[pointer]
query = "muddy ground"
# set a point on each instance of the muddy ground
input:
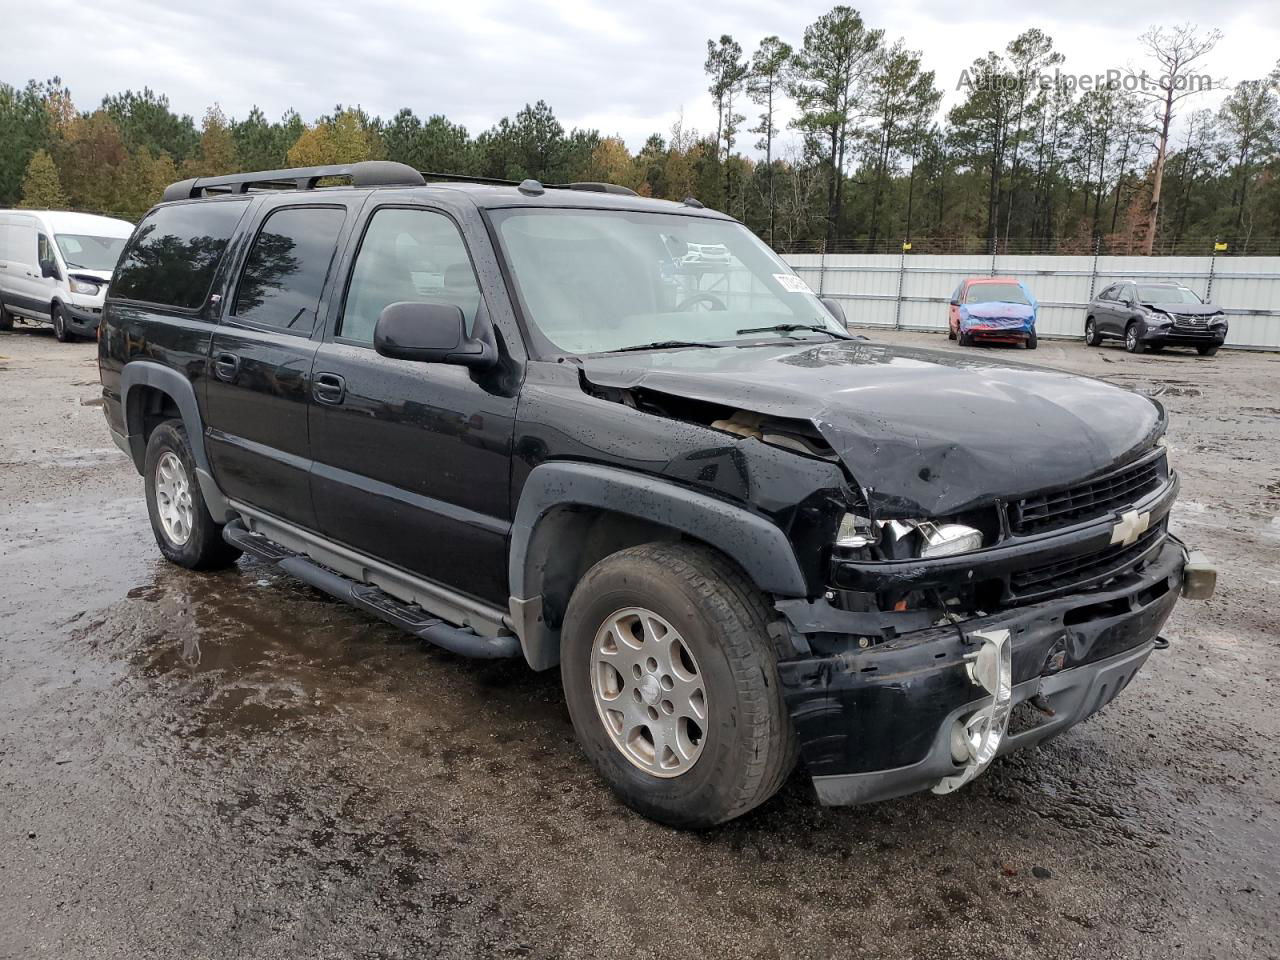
(232, 765)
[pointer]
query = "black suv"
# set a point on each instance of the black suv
(620, 435)
(1152, 316)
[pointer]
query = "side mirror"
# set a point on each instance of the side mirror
(836, 310)
(955, 303)
(430, 333)
(49, 269)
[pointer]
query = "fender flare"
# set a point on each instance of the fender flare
(759, 546)
(175, 384)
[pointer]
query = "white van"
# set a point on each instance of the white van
(54, 268)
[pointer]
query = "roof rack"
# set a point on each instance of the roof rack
(367, 173)
(589, 185)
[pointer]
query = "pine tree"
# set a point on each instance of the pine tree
(41, 188)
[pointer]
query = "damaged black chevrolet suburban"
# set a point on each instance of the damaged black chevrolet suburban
(620, 435)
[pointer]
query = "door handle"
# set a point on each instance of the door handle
(226, 366)
(328, 388)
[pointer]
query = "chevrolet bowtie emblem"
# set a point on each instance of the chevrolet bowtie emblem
(1130, 527)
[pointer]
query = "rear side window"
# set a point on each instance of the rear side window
(173, 256)
(286, 269)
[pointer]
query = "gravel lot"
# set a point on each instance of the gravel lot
(233, 765)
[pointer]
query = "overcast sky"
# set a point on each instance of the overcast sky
(625, 68)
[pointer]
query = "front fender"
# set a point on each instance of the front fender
(759, 546)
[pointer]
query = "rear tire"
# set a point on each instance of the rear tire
(734, 756)
(1091, 336)
(1207, 351)
(185, 532)
(951, 334)
(1132, 342)
(59, 319)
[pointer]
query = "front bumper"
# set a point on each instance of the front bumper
(1176, 335)
(83, 319)
(998, 329)
(879, 722)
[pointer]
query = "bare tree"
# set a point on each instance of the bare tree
(1175, 51)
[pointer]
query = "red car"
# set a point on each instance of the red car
(993, 310)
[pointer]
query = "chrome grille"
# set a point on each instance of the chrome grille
(1085, 501)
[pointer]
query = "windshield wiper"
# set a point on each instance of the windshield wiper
(665, 345)
(791, 327)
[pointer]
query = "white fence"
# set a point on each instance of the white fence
(911, 292)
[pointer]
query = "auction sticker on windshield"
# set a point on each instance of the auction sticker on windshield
(791, 283)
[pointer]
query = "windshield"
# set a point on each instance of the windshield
(90, 253)
(594, 281)
(995, 293)
(1151, 293)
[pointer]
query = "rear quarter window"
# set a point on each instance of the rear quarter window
(173, 256)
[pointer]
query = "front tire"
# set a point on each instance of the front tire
(6, 318)
(185, 532)
(1032, 341)
(60, 324)
(1207, 351)
(1091, 336)
(966, 340)
(671, 681)
(1132, 342)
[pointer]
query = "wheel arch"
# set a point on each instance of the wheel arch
(151, 393)
(601, 510)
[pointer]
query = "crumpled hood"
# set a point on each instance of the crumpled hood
(1187, 309)
(923, 432)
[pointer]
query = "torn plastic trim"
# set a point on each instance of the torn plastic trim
(819, 616)
(976, 740)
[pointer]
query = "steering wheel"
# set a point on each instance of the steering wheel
(704, 297)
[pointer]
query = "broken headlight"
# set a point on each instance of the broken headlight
(908, 539)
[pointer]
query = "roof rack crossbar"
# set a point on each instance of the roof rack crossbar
(499, 182)
(367, 173)
(468, 178)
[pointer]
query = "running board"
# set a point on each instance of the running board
(410, 618)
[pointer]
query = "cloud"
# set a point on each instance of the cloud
(627, 69)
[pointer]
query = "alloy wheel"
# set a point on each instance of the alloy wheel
(649, 692)
(173, 498)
